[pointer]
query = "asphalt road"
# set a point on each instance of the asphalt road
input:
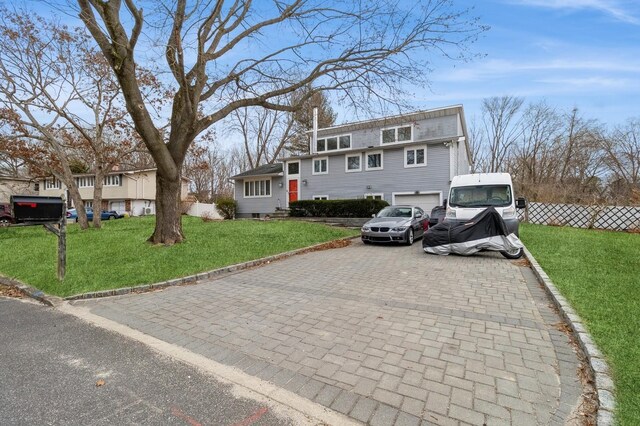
(52, 367)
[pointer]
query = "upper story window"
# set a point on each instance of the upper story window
(397, 135)
(257, 188)
(415, 156)
(320, 166)
(112, 180)
(293, 168)
(334, 143)
(85, 181)
(52, 184)
(374, 160)
(353, 163)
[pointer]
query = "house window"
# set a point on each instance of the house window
(85, 181)
(415, 156)
(257, 188)
(52, 184)
(320, 197)
(320, 166)
(293, 168)
(353, 163)
(374, 160)
(112, 180)
(397, 135)
(334, 143)
(371, 196)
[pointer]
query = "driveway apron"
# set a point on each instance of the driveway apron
(385, 335)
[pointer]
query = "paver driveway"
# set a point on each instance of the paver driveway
(385, 335)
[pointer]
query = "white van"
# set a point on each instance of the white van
(471, 194)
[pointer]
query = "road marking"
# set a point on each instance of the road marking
(281, 402)
(178, 413)
(252, 418)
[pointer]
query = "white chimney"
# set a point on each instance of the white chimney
(314, 138)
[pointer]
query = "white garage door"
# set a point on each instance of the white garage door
(425, 201)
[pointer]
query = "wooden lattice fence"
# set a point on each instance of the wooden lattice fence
(599, 217)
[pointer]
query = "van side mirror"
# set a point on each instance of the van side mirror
(521, 203)
(444, 203)
(373, 215)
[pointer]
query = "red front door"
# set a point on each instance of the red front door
(293, 190)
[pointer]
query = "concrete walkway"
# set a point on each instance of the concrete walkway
(384, 335)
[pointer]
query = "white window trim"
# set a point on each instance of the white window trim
(396, 132)
(287, 168)
(320, 197)
(338, 143)
(374, 194)
(109, 179)
(415, 148)
(366, 162)
(258, 180)
(313, 166)
(346, 163)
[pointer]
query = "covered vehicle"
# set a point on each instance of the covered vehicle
(396, 224)
(485, 231)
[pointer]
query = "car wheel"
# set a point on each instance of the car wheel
(4, 222)
(516, 255)
(409, 237)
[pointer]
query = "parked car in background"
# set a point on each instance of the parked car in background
(5, 215)
(72, 215)
(437, 215)
(398, 224)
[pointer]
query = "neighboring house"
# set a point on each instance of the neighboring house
(130, 191)
(10, 185)
(405, 159)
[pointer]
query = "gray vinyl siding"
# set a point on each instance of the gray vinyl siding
(423, 130)
(263, 205)
(338, 184)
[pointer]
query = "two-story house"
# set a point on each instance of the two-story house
(404, 159)
(131, 191)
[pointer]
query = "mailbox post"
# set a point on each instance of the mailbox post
(48, 212)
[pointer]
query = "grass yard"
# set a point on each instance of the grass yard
(117, 255)
(599, 273)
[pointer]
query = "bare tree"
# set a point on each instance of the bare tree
(500, 129)
(58, 92)
(265, 133)
(622, 157)
(532, 161)
(228, 55)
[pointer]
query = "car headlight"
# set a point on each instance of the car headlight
(451, 213)
(399, 228)
(509, 213)
(365, 229)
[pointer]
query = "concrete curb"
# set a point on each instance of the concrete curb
(598, 365)
(54, 301)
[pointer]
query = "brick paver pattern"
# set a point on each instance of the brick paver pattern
(385, 335)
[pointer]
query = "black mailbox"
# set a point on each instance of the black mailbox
(29, 208)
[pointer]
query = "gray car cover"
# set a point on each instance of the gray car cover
(485, 231)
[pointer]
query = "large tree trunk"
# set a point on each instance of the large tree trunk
(168, 229)
(97, 197)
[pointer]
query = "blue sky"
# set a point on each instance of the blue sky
(571, 53)
(582, 53)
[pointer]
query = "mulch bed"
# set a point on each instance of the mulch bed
(9, 291)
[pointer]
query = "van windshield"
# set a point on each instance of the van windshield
(481, 196)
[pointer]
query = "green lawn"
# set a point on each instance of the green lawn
(117, 255)
(599, 273)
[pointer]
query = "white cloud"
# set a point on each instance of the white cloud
(616, 9)
(502, 67)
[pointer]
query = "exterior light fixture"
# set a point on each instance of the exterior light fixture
(304, 181)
